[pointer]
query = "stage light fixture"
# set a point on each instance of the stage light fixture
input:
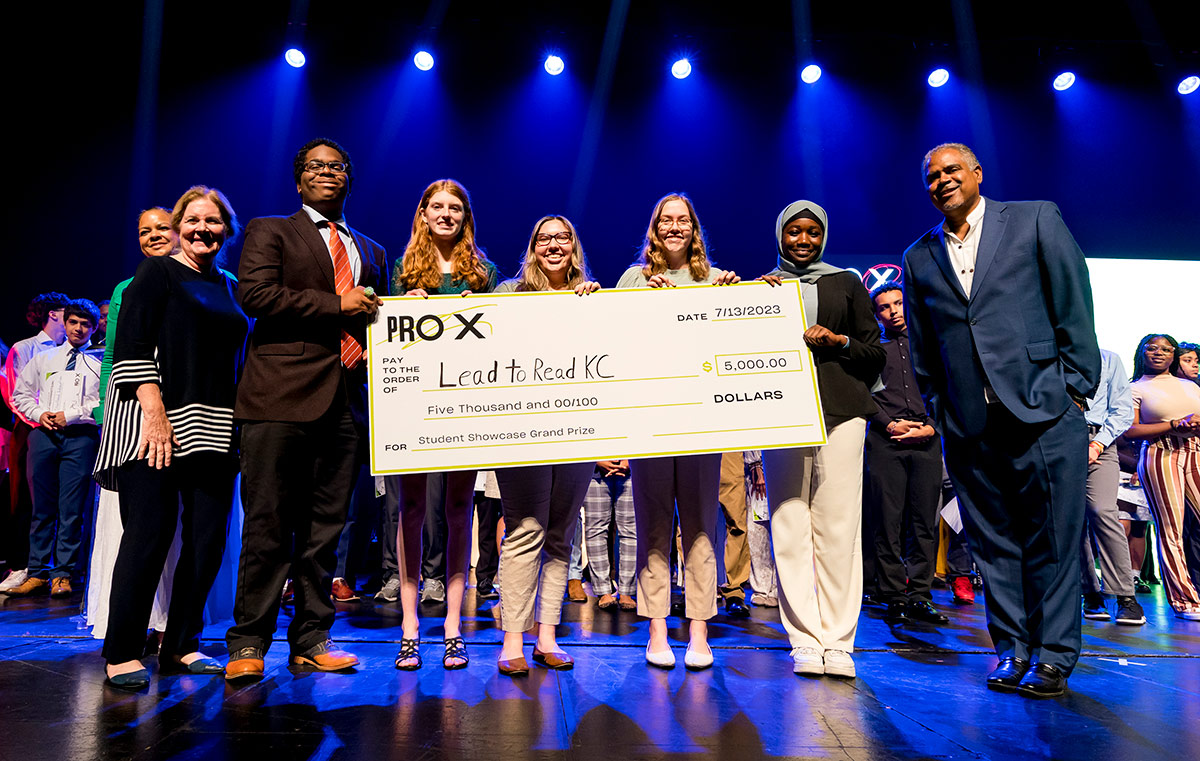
(1064, 81)
(294, 57)
(1189, 85)
(423, 60)
(811, 73)
(681, 68)
(554, 65)
(938, 77)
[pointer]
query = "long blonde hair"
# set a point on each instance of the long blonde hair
(420, 255)
(532, 277)
(654, 259)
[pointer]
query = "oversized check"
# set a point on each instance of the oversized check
(495, 380)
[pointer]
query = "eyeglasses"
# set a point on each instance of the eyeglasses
(1156, 349)
(666, 223)
(314, 166)
(563, 238)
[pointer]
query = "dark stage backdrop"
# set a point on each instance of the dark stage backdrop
(119, 109)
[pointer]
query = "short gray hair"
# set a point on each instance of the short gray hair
(967, 153)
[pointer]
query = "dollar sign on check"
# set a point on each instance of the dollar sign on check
(707, 367)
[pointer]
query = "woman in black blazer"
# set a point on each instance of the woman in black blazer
(815, 493)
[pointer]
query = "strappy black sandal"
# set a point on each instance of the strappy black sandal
(455, 648)
(409, 652)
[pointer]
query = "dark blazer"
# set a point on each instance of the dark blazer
(1027, 329)
(845, 376)
(293, 364)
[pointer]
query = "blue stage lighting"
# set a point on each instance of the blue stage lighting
(294, 57)
(938, 77)
(1064, 81)
(554, 65)
(811, 73)
(423, 60)
(681, 68)
(1189, 85)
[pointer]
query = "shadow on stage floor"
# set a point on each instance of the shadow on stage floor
(919, 694)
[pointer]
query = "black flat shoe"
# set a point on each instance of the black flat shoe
(1007, 674)
(1043, 681)
(131, 681)
(736, 607)
(923, 611)
(173, 664)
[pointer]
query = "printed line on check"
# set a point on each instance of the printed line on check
(761, 317)
(558, 412)
(564, 383)
(737, 430)
(520, 443)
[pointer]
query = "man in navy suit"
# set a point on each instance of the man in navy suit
(1004, 347)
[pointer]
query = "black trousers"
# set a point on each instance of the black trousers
(902, 490)
(149, 500)
(489, 510)
(296, 485)
(433, 546)
(1022, 489)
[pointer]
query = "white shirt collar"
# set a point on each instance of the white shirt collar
(317, 217)
(973, 220)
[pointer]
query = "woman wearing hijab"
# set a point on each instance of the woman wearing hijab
(815, 493)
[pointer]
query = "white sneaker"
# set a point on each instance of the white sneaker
(839, 663)
(14, 580)
(389, 592)
(764, 600)
(1186, 615)
(808, 661)
(664, 659)
(433, 591)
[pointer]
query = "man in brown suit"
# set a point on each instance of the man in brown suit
(303, 408)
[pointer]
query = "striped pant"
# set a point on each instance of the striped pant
(606, 497)
(1170, 473)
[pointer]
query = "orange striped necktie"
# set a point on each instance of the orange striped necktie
(343, 280)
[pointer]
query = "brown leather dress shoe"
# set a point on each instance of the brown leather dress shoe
(32, 586)
(246, 663)
(575, 591)
(343, 592)
(60, 587)
(557, 661)
(323, 656)
(515, 667)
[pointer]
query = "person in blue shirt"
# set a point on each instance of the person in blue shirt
(1109, 414)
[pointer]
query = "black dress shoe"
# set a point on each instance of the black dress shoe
(923, 611)
(897, 611)
(1043, 681)
(736, 607)
(1007, 674)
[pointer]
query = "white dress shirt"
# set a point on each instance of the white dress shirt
(35, 379)
(19, 356)
(963, 252)
(343, 233)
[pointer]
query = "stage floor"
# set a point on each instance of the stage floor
(919, 695)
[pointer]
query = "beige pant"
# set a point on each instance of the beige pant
(815, 495)
(733, 506)
(658, 483)
(541, 509)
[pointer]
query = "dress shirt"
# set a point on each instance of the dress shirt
(27, 392)
(343, 232)
(1111, 407)
(900, 398)
(962, 252)
(19, 356)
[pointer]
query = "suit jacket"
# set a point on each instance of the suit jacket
(293, 367)
(1027, 328)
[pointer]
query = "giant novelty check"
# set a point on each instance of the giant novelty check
(497, 380)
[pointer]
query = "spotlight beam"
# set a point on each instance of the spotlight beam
(589, 145)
